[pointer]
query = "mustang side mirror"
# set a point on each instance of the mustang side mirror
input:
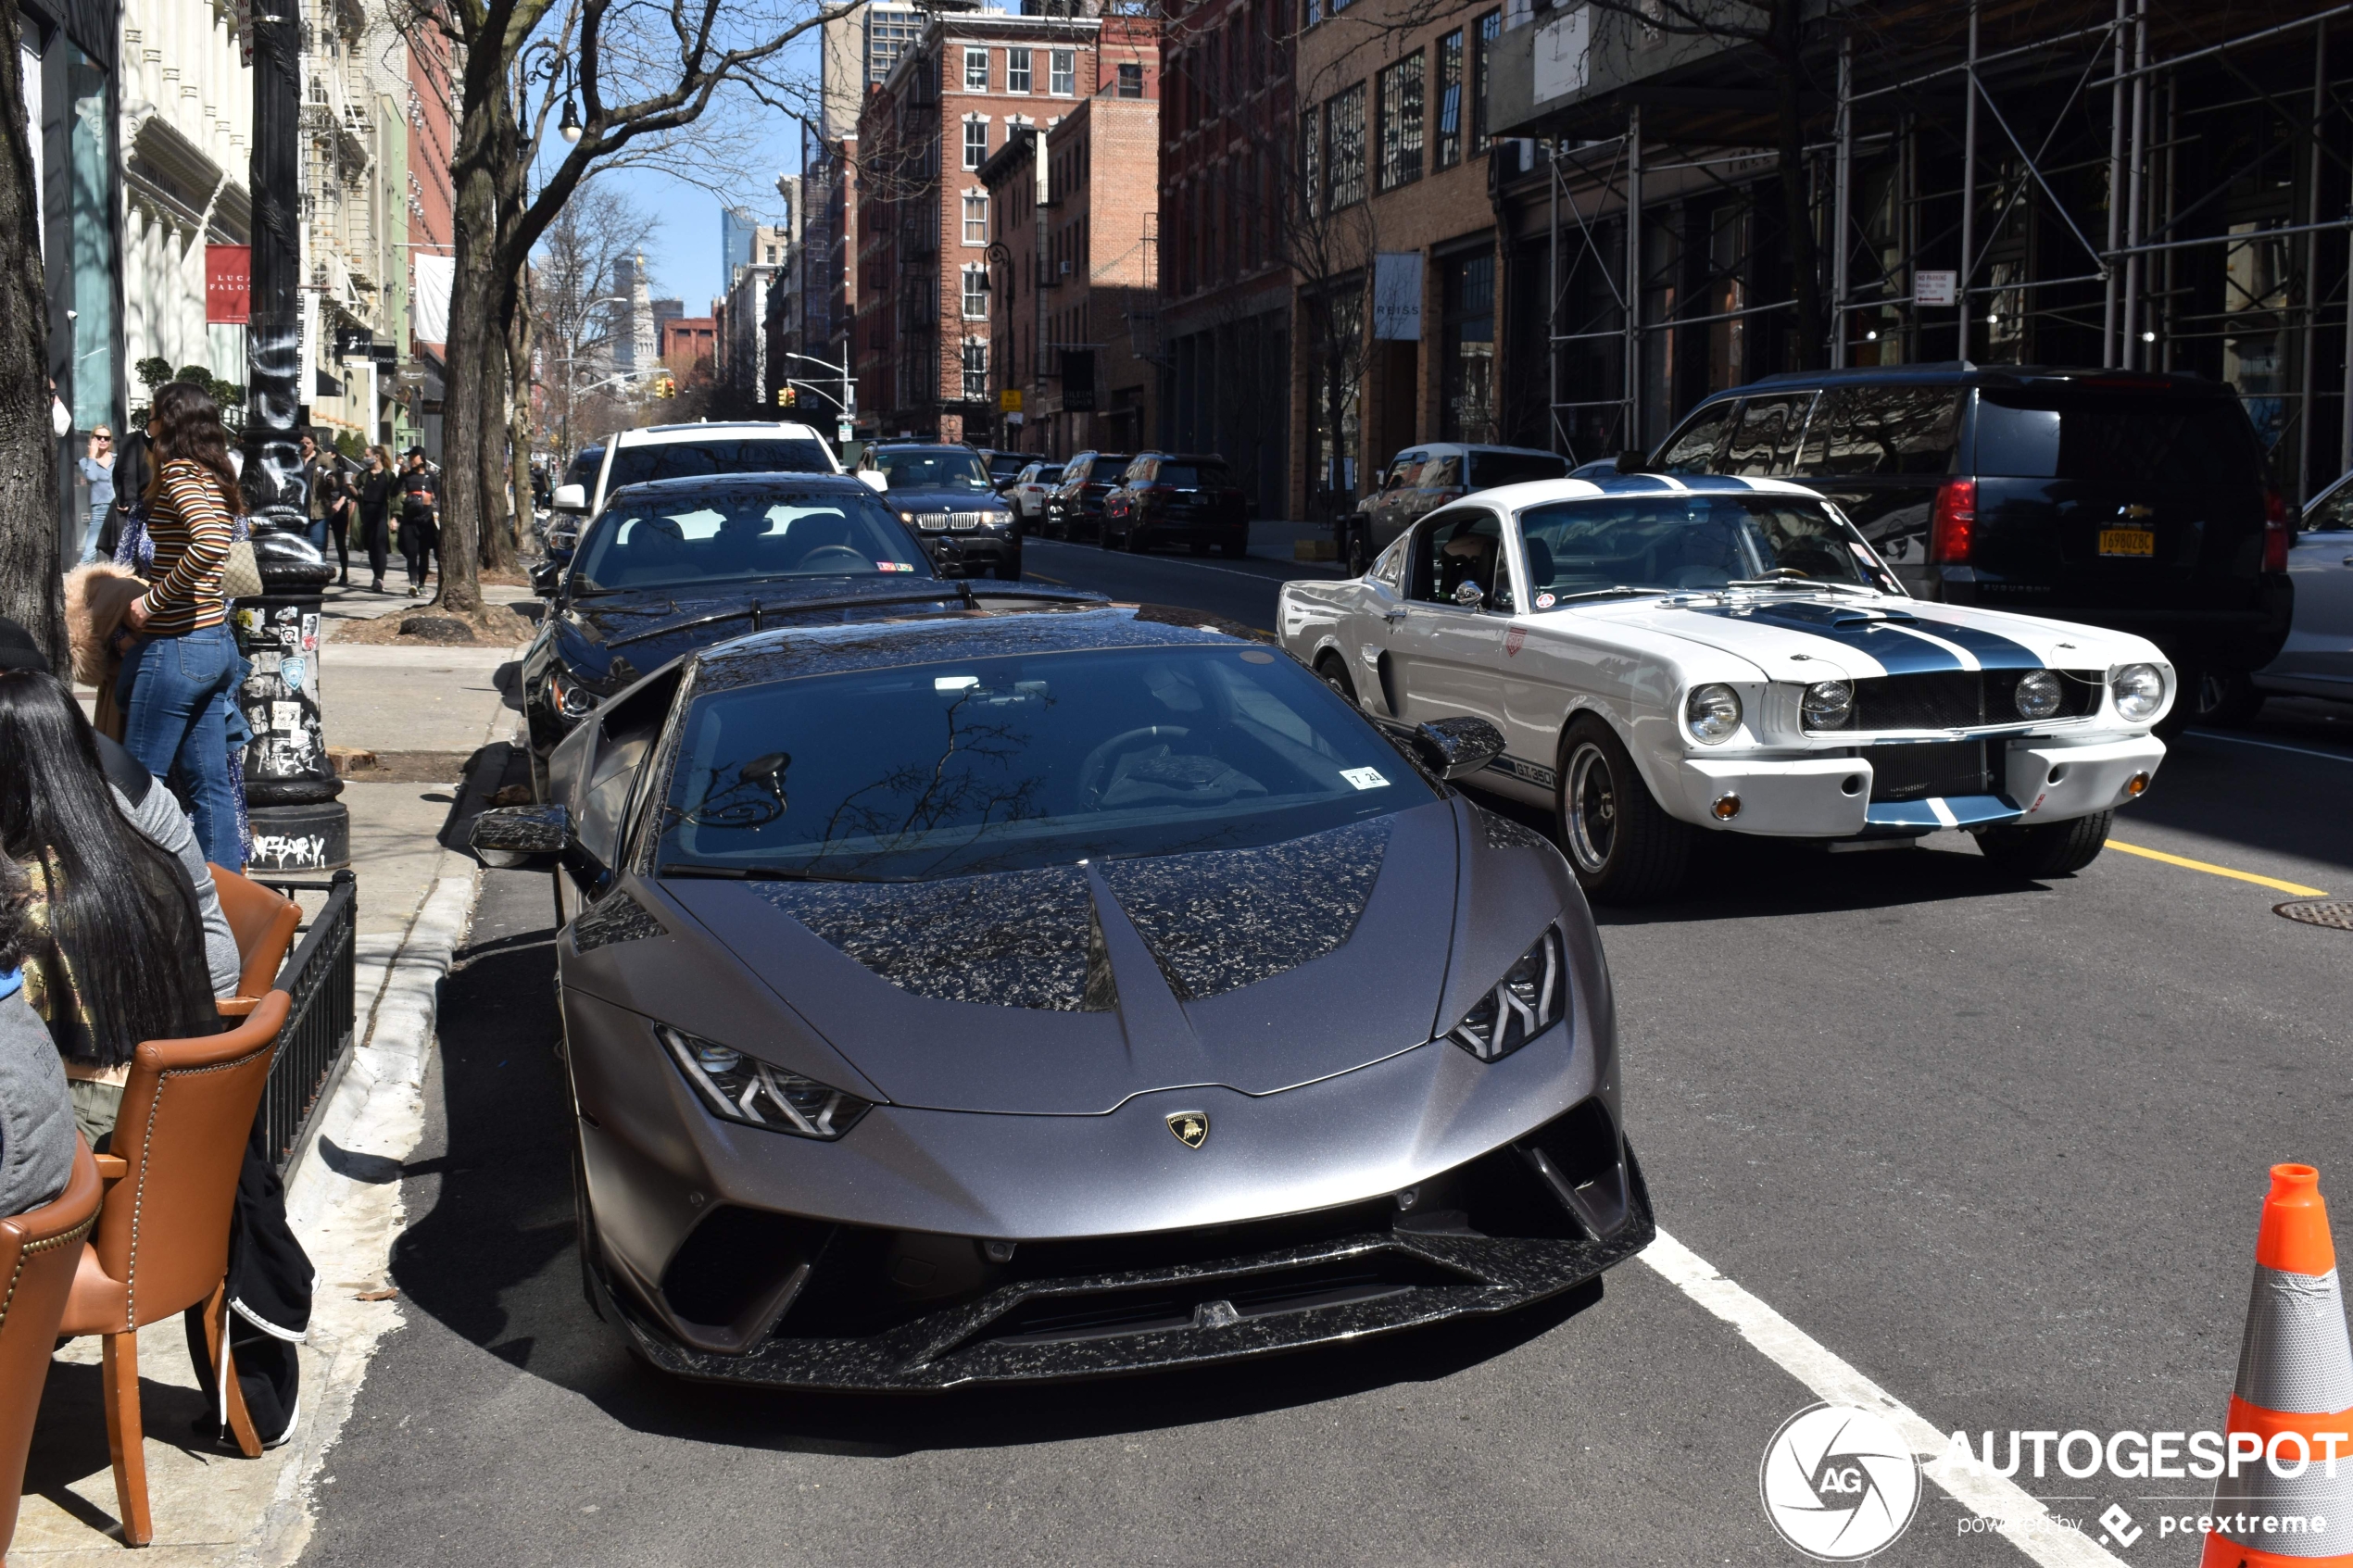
(1470, 595)
(1452, 748)
(527, 837)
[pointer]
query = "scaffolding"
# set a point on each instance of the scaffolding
(2224, 132)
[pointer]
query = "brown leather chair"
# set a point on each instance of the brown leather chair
(39, 1249)
(162, 1238)
(263, 923)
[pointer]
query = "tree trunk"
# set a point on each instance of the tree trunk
(498, 509)
(518, 443)
(31, 590)
(1797, 209)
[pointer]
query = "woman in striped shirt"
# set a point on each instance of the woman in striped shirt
(178, 679)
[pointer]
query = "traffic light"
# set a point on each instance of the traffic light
(787, 396)
(665, 385)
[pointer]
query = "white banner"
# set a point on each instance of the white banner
(429, 298)
(1397, 296)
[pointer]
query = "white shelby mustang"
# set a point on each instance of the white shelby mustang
(1666, 655)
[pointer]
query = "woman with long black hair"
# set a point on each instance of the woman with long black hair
(119, 953)
(180, 660)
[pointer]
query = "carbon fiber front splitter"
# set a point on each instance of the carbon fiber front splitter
(1236, 1310)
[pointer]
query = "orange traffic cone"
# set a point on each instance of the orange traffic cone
(2284, 1498)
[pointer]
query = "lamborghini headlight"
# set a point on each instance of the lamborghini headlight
(1530, 1000)
(759, 1094)
(572, 699)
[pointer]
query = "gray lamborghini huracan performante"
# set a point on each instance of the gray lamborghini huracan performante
(1055, 989)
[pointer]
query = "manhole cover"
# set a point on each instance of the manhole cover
(2334, 914)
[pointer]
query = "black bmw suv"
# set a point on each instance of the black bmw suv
(2113, 497)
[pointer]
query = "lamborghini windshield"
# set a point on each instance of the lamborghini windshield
(1700, 541)
(670, 538)
(1015, 762)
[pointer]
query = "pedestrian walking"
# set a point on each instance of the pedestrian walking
(131, 472)
(97, 469)
(377, 487)
(330, 504)
(420, 518)
(180, 662)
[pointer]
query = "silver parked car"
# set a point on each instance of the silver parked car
(2317, 660)
(1166, 1013)
(1026, 494)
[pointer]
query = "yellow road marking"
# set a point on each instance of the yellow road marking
(2296, 889)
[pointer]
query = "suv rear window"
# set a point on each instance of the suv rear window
(699, 459)
(2149, 443)
(1193, 476)
(1883, 429)
(1107, 466)
(1488, 470)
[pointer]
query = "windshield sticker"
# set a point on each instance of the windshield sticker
(1364, 778)
(1545, 601)
(892, 566)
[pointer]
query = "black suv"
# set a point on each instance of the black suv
(1177, 498)
(2114, 497)
(1077, 501)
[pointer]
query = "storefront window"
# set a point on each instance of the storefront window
(1466, 411)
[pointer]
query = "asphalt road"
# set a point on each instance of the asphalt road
(1999, 1147)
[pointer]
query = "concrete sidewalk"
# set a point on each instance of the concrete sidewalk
(415, 897)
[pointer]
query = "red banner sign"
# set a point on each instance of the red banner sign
(228, 285)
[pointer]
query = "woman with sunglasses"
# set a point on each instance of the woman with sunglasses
(98, 469)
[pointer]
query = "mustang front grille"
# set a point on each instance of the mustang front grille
(1958, 700)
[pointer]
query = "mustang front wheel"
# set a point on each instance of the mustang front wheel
(1624, 848)
(2048, 848)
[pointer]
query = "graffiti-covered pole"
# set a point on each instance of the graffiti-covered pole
(290, 786)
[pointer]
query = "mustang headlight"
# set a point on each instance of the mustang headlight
(2139, 691)
(759, 1094)
(2037, 696)
(1530, 1000)
(1711, 713)
(1828, 705)
(572, 699)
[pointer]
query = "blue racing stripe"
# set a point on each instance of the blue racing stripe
(1876, 634)
(1992, 649)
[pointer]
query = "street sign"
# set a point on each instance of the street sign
(841, 430)
(1935, 288)
(1009, 400)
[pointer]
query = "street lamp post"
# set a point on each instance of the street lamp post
(572, 387)
(848, 400)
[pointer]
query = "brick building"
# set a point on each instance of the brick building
(1224, 328)
(1072, 309)
(1395, 252)
(690, 348)
(922, 211)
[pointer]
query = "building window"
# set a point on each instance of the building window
(976, 70)
(975, 292)
(1311, 161)
(1064, 81)
(1400, 122)
(1017, 70)
(888, 31)
(1490, 27)
(1450, 100)
(1467, 372)
(1344, 148)
(975, 143)
(976, 217)
(1131, 81)
(976, 369)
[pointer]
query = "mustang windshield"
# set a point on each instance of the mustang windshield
(1011, 764)
(726, 536)
(1683, 543)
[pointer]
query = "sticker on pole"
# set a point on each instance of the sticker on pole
(1839, 1484)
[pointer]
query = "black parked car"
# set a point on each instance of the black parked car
(1177, 498)
(680, 564)
(945, 495)
(2113, 497)
(1004, 467)
(1077, 504)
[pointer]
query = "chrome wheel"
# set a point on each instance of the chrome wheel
(1592, 814)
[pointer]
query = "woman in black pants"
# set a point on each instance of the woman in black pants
(377, 487)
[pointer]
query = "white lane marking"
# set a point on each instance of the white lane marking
(2025, 1522)
(2270, 745)
(1204, 565)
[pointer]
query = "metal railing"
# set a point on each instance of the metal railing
(319, 976)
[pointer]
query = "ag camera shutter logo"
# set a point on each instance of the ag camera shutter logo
(1838, 1483)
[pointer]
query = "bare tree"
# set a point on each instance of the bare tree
(575, 275)
(1329, 236)
(31, 587)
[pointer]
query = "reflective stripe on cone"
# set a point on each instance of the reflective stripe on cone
(2294, 1382)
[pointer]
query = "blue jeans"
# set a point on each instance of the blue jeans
(97, 526)
(176, 693)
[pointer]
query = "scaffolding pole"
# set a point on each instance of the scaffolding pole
(2109, 357)
(1969, 192)
(2304, 447)
(2137, 156)
(1552, 311)
(1840, 218)
(1630, 433)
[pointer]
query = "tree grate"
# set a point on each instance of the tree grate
(2334, 914)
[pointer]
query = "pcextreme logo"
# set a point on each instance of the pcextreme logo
(1839, 1484)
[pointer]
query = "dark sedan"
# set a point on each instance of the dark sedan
(945, 495)
(1177, 498)
(1054, 992)
(679, 564)
(1075, 506)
